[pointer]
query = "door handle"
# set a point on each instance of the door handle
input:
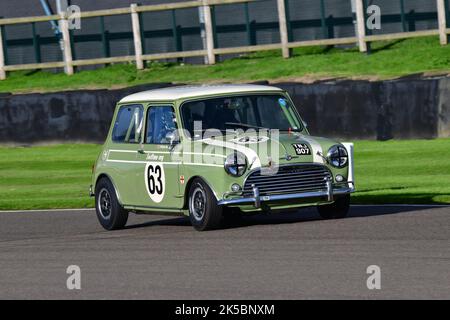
(141, 149)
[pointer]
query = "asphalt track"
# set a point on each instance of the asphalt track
(282, 256)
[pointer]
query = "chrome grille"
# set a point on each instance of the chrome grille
(289, 179)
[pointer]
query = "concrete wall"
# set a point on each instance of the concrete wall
(62, 116)
(403, 109)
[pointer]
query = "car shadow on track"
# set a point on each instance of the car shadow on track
(174, 221)
(297, 216)
(311, 214)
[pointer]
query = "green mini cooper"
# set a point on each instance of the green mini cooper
(215, 153)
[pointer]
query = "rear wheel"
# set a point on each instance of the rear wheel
(204, 212)
(337, 210)
(110, 213)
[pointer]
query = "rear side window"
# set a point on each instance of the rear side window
(128, 125)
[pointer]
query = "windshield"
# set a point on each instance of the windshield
(241, 112)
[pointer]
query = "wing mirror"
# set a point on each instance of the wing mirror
(305, 124)
(173, 138)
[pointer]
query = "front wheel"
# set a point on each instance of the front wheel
(337, 210)
(110, 213)
(204, 212)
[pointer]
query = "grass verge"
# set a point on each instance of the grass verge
(402, 171)
(389, 59)
(46, 177)
(58, 176)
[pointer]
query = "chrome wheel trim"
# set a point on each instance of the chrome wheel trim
(197, 204)
(104, 204)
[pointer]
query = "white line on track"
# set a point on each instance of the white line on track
(403, 205)
(44, 210)
(353, 205)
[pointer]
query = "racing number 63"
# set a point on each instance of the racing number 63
(155, 181)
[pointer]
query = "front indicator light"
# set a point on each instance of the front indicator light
(235, 187)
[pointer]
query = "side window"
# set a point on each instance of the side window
(195, 112)
(160, 122)
(128, 126)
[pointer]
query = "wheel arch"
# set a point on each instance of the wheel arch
(107, 176)
(188, 187)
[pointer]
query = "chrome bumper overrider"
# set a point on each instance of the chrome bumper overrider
(257, 199)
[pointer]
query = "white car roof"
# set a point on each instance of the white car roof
(183, 92)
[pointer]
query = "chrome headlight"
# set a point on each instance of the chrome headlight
(236, 164)
(337, 156)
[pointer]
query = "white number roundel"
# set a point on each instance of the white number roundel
(155, 181)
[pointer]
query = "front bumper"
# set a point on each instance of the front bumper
(257, 199)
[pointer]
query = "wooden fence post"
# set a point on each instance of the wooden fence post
(442, 22)
(2, 58)
(67, 48)
(361, 25)
(137, 37)
(209, 32)
(283, 28)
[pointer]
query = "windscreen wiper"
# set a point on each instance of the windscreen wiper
(290, 130)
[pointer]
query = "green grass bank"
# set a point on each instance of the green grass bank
(58, 176)
(389, 59)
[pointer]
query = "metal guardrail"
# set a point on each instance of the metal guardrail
(210, 52)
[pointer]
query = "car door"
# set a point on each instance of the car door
(159, 181)
(122, 156)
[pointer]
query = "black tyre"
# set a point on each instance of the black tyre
(337, 210)
(110, 213)
(204, 212)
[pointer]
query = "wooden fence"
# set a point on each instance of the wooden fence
(210, 52)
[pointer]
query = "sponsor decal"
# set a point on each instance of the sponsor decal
(182, 179)
(153, 157)
(302, 149)
(282, 102)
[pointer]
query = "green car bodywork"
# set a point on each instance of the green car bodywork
(129, 165)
